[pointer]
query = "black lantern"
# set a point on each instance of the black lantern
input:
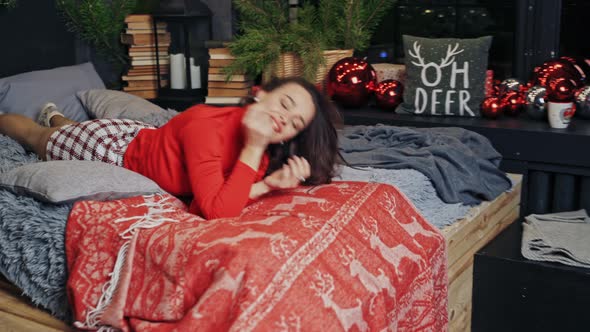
(189, 25)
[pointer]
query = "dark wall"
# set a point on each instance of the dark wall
(33, 36)
(222, 20)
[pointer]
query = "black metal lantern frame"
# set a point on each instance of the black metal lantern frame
(189, 29)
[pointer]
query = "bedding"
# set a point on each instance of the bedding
(41, 274)
(349, 255)
(26, 93)
(32, 239)
(111, 104)
(67, 181)
(38, 235)
(462, 165)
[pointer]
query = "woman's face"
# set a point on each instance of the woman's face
(290, 108)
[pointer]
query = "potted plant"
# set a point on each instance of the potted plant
(268, 42)
(274, 42)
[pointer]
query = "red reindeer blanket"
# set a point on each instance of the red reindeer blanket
(345, 256)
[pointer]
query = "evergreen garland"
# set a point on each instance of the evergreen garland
(99, 22)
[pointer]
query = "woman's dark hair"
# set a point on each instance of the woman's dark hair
(317, 143)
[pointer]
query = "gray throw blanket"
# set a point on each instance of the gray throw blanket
(557, 237)
(462, 165)
(416, 186)
(32, 239)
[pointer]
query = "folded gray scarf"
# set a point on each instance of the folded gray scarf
(557, 237)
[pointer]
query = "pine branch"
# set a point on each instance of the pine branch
(99, 22)
(8, 3)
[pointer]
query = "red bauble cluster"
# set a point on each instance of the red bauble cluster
(565, 67)
(512, 103)
(508, 98)
(557, 80)
(560, 89)
(351, 82)
(389, 94)
(563, 77)
(491, 107)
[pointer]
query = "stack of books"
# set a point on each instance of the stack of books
(141, 78)
(220, 90)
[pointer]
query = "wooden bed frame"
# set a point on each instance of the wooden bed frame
(464, 238)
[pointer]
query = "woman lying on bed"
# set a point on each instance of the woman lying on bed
(224, 157)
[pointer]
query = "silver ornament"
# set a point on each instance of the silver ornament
(582, 99)
(535, 103)
(510, 84)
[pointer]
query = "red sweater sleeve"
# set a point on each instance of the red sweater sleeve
(214, 196)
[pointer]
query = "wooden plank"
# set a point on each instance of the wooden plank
(9, 323)
(464, 238)
(461, 282)
(460, 301)
(467, 259)
(481, 231)
(12, 304)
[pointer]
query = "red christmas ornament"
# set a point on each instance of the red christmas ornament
(554, 69)
(561, 89)
(389, 94)
(512, 103)
(581, 66)
(491, 107)
(351, 81)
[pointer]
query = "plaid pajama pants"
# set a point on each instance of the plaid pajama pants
(102, 140)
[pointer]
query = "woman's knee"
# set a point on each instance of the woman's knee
(40, 146)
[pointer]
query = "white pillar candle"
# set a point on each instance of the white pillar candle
(177, 71)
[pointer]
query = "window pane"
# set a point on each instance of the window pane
(449, 18)
(574, 28)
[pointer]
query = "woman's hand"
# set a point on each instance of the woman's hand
(258, 129)
(294, 172)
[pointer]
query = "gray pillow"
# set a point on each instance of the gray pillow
(66, 181)
(26, 93)
(112, 104)
(445, 76)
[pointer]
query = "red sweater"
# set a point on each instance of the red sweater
(197, 153)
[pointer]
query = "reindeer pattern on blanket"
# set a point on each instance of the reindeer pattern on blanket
(341, 257)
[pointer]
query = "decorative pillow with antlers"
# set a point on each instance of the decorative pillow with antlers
(445, 76)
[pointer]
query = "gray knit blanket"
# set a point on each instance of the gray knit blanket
(462, 165)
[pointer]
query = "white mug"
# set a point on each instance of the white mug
(560, 114)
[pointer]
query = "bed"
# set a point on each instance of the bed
(463, 239)
(478, 225)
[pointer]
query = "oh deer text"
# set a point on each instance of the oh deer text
(432, 75)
